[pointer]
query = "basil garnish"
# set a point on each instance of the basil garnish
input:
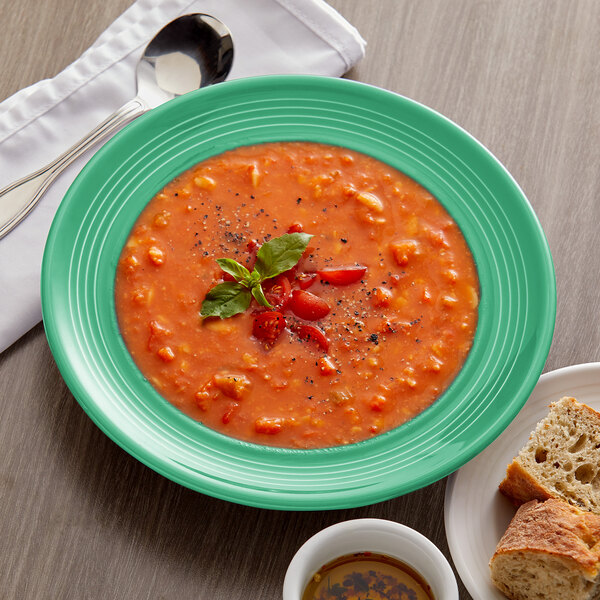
(225, 300)
(273, 258)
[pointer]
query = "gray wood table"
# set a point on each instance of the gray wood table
(79, 517)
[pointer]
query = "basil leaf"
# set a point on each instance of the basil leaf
(260, 297)
(225, 300)
(239, 272)
(280, 254)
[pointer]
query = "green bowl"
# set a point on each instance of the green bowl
(516, 313)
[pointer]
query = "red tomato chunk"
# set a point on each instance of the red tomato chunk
(310, 332)
(305, 280)
(279, 292)
(308, 306)
(342, 275)
(268, 325)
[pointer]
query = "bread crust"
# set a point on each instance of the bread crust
(520, 487)
(567, 441)
(551, 549)
(555, 528)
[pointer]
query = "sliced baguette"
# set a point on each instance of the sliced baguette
(560, 460)
(550, 551)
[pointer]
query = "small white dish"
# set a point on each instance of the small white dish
(476, 514)
(371, 535)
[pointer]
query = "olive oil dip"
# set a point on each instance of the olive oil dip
(367, 576)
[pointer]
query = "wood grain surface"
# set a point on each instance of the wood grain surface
(80, 518)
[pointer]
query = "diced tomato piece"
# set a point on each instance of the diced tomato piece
(295, 228)
(166, 354)
(279, 293)
(305, 280)
(158, 335)
(342, 275)
(252, 247)
(268, 425)
(268, 325)
(204, 397)
(377, 403)
(310, 332)
(404, 250)
(232, 385)
(308, 306)
(381, 296)
(326, 366)
(229, 412)
(156, 255)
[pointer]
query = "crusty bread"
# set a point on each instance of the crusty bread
(550, 551)
(560, 460)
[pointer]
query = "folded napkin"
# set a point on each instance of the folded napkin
(42, 121)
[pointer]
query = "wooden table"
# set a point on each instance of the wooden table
(79, 517)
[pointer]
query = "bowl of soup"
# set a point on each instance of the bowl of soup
(298, 292)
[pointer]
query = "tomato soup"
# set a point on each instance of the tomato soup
(366, 331)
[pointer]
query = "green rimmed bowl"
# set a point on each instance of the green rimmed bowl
(516, 313)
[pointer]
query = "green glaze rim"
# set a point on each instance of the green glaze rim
(516, 313)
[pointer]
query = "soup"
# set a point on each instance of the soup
(365, 331)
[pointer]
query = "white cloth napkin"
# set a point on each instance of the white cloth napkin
(42, 121)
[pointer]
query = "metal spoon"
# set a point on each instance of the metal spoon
(190, 52)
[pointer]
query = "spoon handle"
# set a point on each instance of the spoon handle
(18, 199)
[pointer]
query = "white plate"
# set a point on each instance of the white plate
(475, 512)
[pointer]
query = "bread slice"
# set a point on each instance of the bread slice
(550, 551)
(560, 460)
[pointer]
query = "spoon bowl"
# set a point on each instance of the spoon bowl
(189, 53)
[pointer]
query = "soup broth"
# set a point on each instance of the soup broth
(366, 331)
